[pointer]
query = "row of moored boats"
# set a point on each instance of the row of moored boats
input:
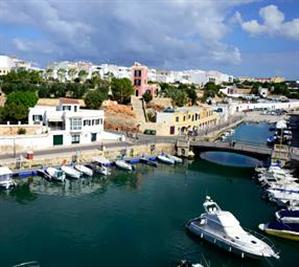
(99, 165)
(281, 187)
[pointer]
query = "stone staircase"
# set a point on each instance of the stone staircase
(137, 105)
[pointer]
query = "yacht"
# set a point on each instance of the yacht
(282, 198)
(165, 159)
(71, 172)
(223, 229)
(6, 181)
(55, 174)
(123, 165)
(83, 169)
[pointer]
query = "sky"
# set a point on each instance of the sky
(241, 37)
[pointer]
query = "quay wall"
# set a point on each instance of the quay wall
(87, 156)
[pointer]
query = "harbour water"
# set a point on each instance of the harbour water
(133, 219)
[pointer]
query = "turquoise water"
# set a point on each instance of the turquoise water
(256, 133)
(131, 219)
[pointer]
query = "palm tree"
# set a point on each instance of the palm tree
(72, 72)
(49, 73)
(83, 75)
(61, 74)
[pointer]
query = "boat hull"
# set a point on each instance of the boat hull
(283, 234)
(222, 244)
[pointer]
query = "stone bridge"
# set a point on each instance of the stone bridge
(258, 151)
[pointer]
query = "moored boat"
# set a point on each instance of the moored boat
(71, 172)
(148, 162)
(123, 165)
(290, 215)
(174, 158)
(280, 229)
(56, 174)
(6, 181)
(165, 159)
(83, 169)
(102, 161)
(99, 169)
(223, 229)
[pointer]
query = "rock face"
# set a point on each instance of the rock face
(120, 117)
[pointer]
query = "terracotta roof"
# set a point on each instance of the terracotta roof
(69, 101)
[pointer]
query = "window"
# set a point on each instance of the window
(172, 129)
(137, 73)
(75, 108)
(184, 118)
(137, 82)
(76, 139)
(177, 119)
(66, 107)
(37, 118)
(76, 124)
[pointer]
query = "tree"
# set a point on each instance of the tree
(82, 75)
(147, 97)
(94, 99)
(25, 98)
(49, 73)
(76, 90)
(17, 105)
(61, 74)
(72, 72)
(121, 89)
(15, 112)
(180, 98)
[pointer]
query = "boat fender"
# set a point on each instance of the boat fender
(230, 249)
(201, 235)
(242, 255)
(215, 241)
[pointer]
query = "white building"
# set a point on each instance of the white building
(67, 124)
(8, 63)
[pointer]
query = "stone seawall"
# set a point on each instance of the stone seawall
(87, 156)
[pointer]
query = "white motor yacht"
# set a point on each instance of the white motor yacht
(71, 172)
(56, 174)
(123, 165)
(83, 169)
(6, 181)
(224, 230)
(165, 159)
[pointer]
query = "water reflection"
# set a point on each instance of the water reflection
(21, 194)
(230, 159)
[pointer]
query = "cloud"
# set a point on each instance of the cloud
(273, 24)
(178, 33)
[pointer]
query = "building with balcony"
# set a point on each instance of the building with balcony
(68, 124)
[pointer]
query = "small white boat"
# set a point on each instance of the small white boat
(99, 169)
(123, 165)
(102, 161)
(176, 159)
(83, 169)
(165, 159)
(56, 174)
(6, 181)
(222, 229)
(71, 172)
